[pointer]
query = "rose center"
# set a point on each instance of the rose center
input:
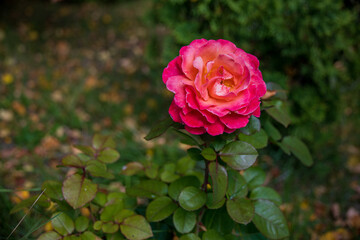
(223, 83)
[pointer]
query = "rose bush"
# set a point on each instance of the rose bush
(217, 87)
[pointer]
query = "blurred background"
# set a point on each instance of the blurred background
(71, 68)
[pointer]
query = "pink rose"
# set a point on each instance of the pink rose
(217, 87)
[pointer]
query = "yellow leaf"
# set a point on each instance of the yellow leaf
(48, 227)
(85, 212)
(7, 78)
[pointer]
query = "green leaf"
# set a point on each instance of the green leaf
(278, 111)
(148, 189)
(269, 220)
(299, 149)
(53, 189)
(218, 220)
(237, 187)
(192, 198)
(254, 177)
(195, 154)
(132, 168)
(283, 147)
(98, 225)
(98, 169)
(177, 186)
(100, 199)
(218, 143)
(86, 149)
(62, 223)
(185, 165)
(100, 142)
(252, 127)
(190, 236)
(188, 139)
(258, 140)
(136, 228)
(241, 210)
(50, 236)
(210, 202)
(110, 227)
(159, 209)
(78, 190)
(184, 221)
(71, 237)
(110, 211)
(89, 236)
(115, 236)
(272, 131)
(265, 193)
(129, 202)
(152, 171)
(219, 179)
(247, 236)
(209, 154)
(239, 155)
(124, 213)
(108, 155)
(72, 161)
(211, 234)
(168, 173)
(160, 128)
(81, 223)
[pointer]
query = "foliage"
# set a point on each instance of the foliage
(184, 196)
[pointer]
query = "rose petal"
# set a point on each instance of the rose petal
(227, 46)
(209, 51)
(196, 131)
(176, 85)
(214, 129)
(200, 81)
(174, 112)
(187, 55)
(172, 69)
(192, 119)
(256, 113)
(249, 108)
(191, 98)
(228, 130)
(234, 121)
(253, 61)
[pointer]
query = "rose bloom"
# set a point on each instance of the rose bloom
(217, 87)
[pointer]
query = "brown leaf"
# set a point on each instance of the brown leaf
(19, 108)
(268, 94)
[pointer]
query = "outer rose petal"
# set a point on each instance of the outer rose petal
(256, 113)
(227, 46)
(250, 108)
(215, 128)
(228, 130)
(188, 54)
(196, 131)
(235, 121)
(173, 69)
(193, 119)
(176, 85)
(174, 112)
